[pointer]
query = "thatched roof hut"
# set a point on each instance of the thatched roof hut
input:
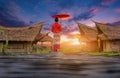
(28, 33)
(87, 33)
(88, 36)
(21, 39)
(43, 37)
(109, 37)
(107, 32)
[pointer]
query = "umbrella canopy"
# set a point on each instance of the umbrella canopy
(61, 16)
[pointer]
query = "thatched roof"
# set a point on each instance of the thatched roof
(43, 38)
(46, 38)
(27, 33)
(108, 32)
(117, 27)
(87, 33)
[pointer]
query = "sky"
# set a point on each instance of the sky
(19, 13)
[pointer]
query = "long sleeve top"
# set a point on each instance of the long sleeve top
(56, 28)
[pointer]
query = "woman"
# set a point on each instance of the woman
(56, 29)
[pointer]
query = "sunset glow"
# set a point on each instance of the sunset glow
(75, 41)
(70, 13)
(71, 40)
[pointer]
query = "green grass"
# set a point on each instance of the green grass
(105, 53)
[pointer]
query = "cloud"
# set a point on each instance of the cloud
(71, 5)
(107, 2)
(85, 15)
(8, 14)
(117, 23)
(67, 3)
(117, 10)
(1, 21)
(94, 10)
(78, 10)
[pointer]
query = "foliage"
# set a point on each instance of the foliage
(2, 32)
(6, 41)
(1, 47)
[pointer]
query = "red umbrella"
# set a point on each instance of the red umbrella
(62, 16)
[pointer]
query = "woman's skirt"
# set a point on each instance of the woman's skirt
(56, 42)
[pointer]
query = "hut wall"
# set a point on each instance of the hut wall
(115, 44)
(111, 46)
(29, 47)
(107, 46)
(18, 47)
(90, 47)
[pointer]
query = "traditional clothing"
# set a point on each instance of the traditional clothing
(56, 29)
